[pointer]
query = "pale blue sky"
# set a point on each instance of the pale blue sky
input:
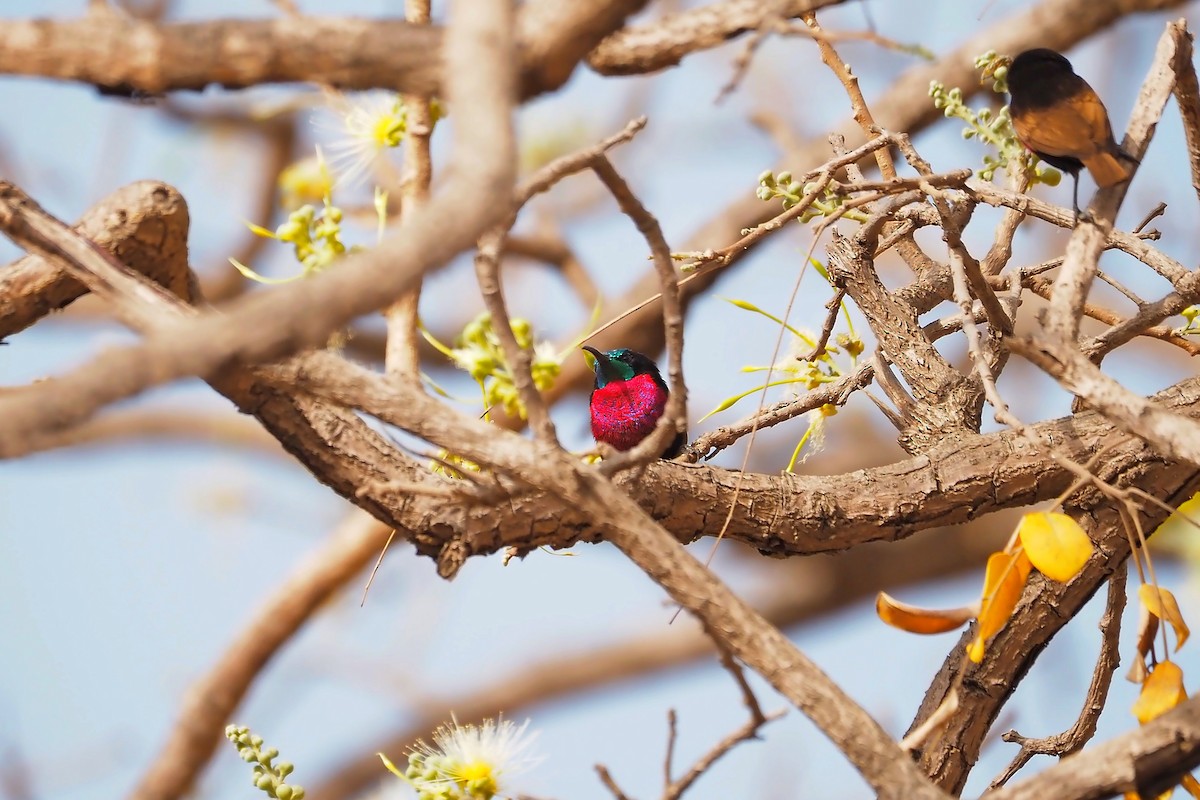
(126, 570)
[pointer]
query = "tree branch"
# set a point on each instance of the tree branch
(269, 324)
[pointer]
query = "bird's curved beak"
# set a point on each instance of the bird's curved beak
(602, 365)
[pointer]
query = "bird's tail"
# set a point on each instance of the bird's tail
(1107, 169)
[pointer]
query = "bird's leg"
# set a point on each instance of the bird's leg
(1075, 199)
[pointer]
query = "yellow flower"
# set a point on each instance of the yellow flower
(467, 762)
(371, 124)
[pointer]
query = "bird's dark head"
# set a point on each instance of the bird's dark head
(1039, 62)
(622, 364)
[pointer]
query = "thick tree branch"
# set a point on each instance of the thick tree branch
(123, 55)
(663, 43)
(1044, 609)
(270, 324)
(724, 615)
(144, 225)
(786, 514)
(1147, 760)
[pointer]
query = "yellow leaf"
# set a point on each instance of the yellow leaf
(730, 401)
(1161, 692)
(1003, 583)
(259, 230)
(1056, 544)
(745, 305)
(921, 620)
(1161, 603)
(254, 276)
(1177, 524)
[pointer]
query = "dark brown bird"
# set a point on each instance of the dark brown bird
(1061, 119)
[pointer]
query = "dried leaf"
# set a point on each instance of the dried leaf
(1161, 603)
(1147, 630)
(1002, 586)
(1161, 692)
(915, 619)
(1055, 543)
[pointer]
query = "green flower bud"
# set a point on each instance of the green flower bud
(475, 331)
(523, 331)
(784, 177)
(283, 792)
(1050, 176)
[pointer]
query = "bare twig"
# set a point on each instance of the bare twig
(832, 307)
(862, 114)
(674, 419)
(487, 271)
(1073, 739)
(710, 444)
(1147, 760)
(749, 730)
(1164, 265)
(402, 356)
(609, 783)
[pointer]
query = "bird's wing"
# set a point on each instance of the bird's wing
(1077, 126)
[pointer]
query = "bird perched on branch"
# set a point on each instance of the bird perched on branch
(1058, 116)
(629, 397)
